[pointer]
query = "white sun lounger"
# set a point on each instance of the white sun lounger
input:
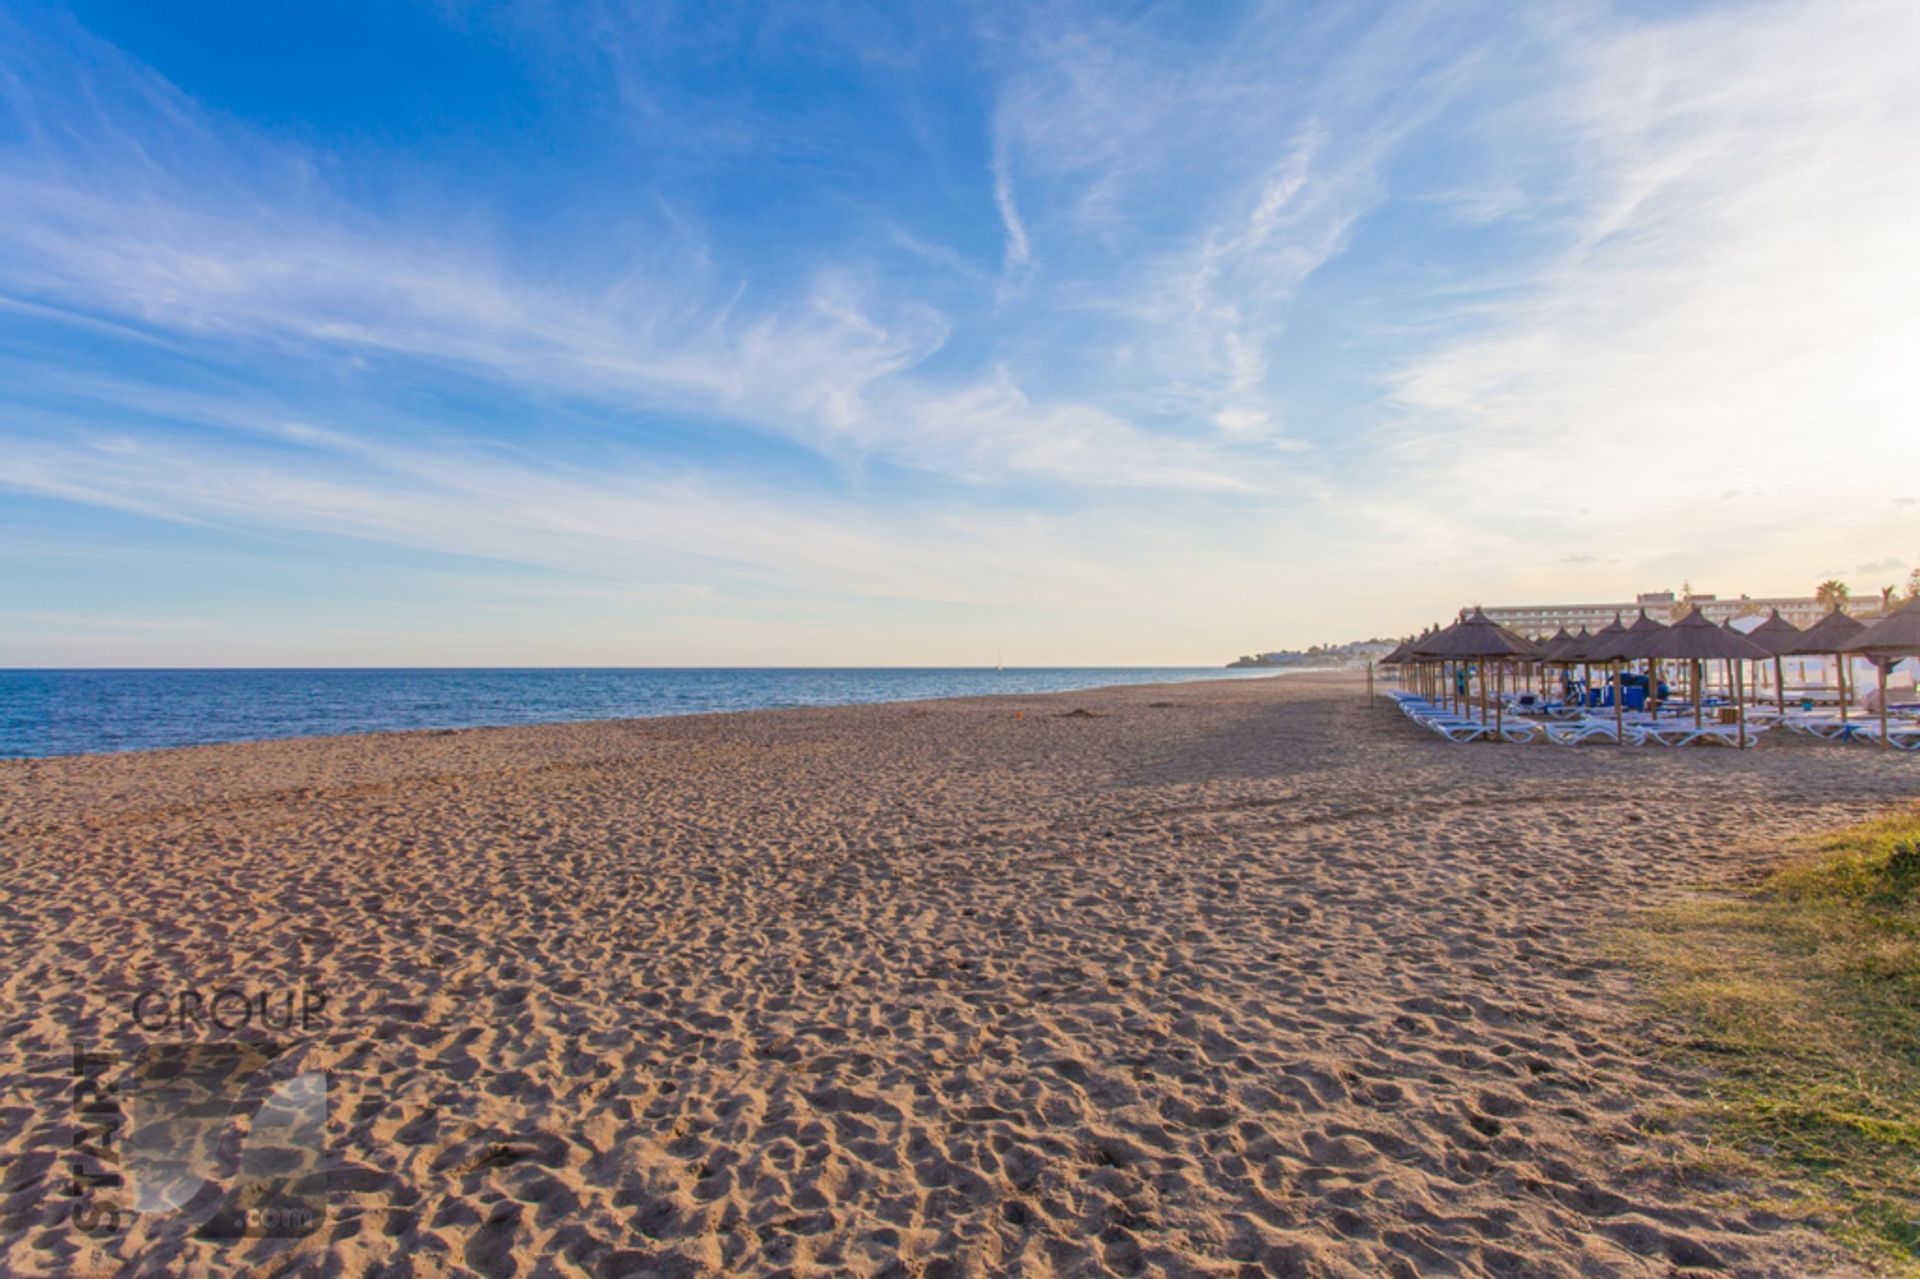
(1460, 730)
(1712, 734)
(1826, 727)
(1467, 728)
(1457, 727)
(1903, 737)
(1590, 730)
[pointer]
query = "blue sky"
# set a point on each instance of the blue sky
(383, 333)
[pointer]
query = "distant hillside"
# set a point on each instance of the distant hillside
(1352, 653)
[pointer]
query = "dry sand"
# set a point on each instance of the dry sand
(1229, 978)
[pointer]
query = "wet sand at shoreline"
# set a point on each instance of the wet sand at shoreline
(1230, 978)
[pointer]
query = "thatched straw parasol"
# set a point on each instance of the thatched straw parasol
(1778, 636)
(1424, 646)
(1893, 637)
(1568, 651)
(1829, 637)
(1424, 653)
(1479, 639)
(1622, 648)
(1478, 636)
(1601, 640)
(1426, 667)
(1549, 655)
(1394, 658)
(1551, 644)
(1619, 650)
(1596, 645)
(1410, 657)
(1694, 639)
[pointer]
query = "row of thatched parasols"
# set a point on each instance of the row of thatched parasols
(1476, 642)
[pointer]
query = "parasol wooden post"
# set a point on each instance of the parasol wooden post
(1369, 682)
(1740, 705)
(1619, 710)
(1841, 676)
(1883, 664)
(1499, 697)
(1780, 682)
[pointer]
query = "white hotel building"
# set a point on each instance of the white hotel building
(1663, 606)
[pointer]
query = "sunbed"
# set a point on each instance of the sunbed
(1827, 728)
(1689, 734)
(1456, 727)
(1900, 736)
(1574, 732)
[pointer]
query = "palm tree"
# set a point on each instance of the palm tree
(1832, 594)
(1913, 585)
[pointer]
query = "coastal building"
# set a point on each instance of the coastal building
(1662, 606)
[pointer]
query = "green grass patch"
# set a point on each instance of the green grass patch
(1802, 999)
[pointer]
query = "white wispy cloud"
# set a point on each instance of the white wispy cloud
(1193, 195)
(633, 523)
(283, 261)
(1019, 252)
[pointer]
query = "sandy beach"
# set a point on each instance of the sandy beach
(1235, 978)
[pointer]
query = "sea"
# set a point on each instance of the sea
(84, 712)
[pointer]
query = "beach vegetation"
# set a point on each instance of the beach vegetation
(1798, 997)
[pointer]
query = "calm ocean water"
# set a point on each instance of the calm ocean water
(83, 712)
